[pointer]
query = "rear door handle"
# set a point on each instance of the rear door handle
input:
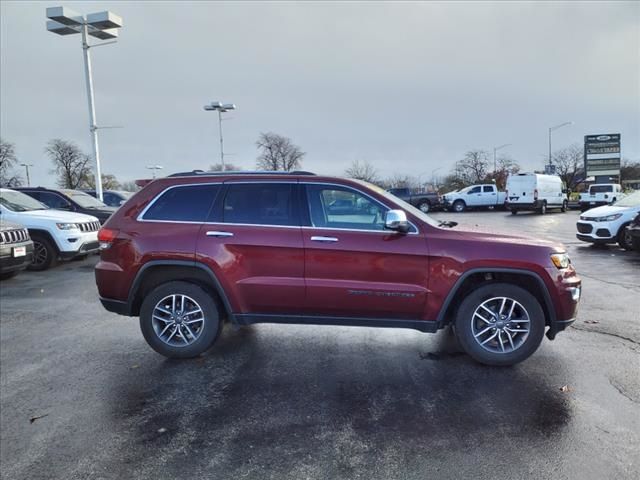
(324, 239)
(215, 233)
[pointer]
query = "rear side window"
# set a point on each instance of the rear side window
(260, 204)
(487, 189)
(183, 204)
(601, 188)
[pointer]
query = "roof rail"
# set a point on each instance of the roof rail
(195, 173)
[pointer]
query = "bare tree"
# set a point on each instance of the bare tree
(505, 166)
(278, 153)
(8, 161)
(109, 182)
(473, 168)
(569, 163)
(228, 167)
(400, 181)
(362, 171)
(129, 186)
(629, 170)
(70, 163)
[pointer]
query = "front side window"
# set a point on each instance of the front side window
(260, 204)
(53, 200)
(474, 190)
(183, 204)
(341, 207)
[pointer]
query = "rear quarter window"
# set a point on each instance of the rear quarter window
(183, 204)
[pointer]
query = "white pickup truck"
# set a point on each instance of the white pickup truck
(474, 196)
(600, 194)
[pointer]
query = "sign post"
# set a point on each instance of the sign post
(602, 156)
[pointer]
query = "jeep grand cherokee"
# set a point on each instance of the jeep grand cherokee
(190, 250)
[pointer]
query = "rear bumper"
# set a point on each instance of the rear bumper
(523, 206)
(116, 306)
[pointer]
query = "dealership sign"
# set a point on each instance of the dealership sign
(602, 154)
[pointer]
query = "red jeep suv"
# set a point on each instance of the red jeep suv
(193, 249)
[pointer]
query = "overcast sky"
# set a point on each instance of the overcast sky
(407, 86)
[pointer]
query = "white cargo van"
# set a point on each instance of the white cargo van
(534, 191)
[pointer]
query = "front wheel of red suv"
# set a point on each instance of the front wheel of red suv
(500, 324)
(179, 320)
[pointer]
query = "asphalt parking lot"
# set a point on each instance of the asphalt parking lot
(83, 397)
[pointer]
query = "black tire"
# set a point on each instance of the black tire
(424, 207)
(8, 275)
(565, 206)
(465, 318)
(543, 208)
(45, 255)
(514, 211)
(459, 206)
(624, 238)
(210, 314)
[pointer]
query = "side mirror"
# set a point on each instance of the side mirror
(396, 220)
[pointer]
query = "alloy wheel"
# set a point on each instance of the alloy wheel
(500, 325)
(178, 320)
(40, 254)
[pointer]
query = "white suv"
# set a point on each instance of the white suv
(56, 234)
(608, 224)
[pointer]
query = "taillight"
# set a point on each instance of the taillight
(106, 236)
(535, 194)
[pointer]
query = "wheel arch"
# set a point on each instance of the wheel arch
(45, 234)
(474, 278)
(157, 272)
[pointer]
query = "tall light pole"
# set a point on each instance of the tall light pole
(495, 162)
(551, 129)
(154, 168)
(101, 25)
(220, 108)
(26, 166)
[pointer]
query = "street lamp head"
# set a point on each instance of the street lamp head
(228, 106)
(104, 20)
(65, 16)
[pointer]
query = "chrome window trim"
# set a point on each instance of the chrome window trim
(140, 217)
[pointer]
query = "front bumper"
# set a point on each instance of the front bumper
(92, 246)
(9, 263)
(595, 232)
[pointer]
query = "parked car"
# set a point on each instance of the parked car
(16, 248)
(112, 198)
(474, 196)
(70, 200)
(633, 230)
(56, 234)
(424, 201)
(194, 250)
(537, 192)
(600, 194)
(608, 224)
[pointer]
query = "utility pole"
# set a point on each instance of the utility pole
(26, 166)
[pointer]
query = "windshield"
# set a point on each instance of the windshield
(632, 200)
(84, 199)
(19, 202)
(404, 205)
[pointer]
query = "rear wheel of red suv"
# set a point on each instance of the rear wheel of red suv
(179, 320)
(500, 324)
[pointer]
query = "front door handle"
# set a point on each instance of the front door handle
(324, 239)
(215, 233)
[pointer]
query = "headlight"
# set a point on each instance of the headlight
(67, 226)
(560, 260)
(608, 218)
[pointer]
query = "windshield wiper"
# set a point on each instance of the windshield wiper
(447, 223)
